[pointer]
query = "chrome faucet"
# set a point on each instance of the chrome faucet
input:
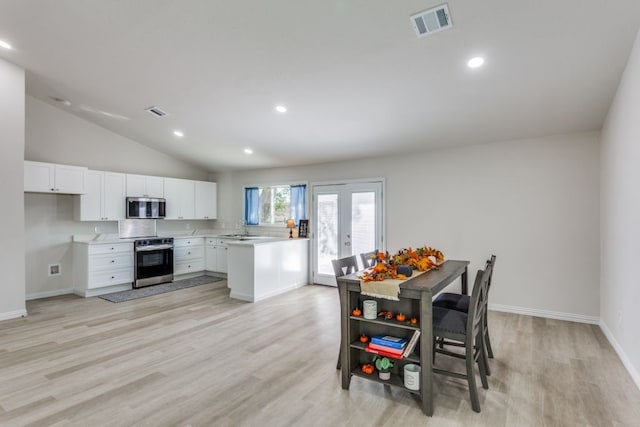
(244, 225)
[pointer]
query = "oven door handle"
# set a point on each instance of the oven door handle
(153, 248)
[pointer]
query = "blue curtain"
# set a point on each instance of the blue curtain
(252, 205)
(298, 202)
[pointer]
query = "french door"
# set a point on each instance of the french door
(347, 220)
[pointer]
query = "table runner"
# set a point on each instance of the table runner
(386, 289)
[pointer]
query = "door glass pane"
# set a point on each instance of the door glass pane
(327, 240)
(363, 222)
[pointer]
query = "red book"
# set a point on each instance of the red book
(383, 353)
(396, 351)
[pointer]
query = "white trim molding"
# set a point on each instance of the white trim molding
(13, 314)
(635, 375)
(559, 315)
(56, 293)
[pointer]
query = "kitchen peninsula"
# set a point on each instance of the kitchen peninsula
(262, 268)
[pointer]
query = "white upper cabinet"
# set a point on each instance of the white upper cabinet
(180, 196)
(104, 199)
(42, 177)
(206, 200)
(145, 186)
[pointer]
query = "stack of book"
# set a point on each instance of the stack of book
(392, 347)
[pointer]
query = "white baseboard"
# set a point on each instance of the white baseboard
(13, 314)
(88, 293)
(635, 375)
(571, 317)
(48, 294)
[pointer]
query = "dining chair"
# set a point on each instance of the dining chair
(369, 259)
(460, 302)
(467, 330)
(342, 267)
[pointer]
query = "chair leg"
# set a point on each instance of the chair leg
(339, 359)
(483, 365)
(487, 341)
(471, 379)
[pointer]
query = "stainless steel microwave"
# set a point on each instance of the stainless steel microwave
(145, 207)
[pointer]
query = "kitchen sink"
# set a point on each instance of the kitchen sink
(242, 237)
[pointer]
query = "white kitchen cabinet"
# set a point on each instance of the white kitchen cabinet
(104, 199)
(145, 186)
(40, 177)
(102, 267)
(211, 254)
(206, 200)
(180, 196)
(216, 255)
(221, 256)
(188, 255)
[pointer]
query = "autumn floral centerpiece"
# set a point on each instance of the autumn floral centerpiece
(421, 259)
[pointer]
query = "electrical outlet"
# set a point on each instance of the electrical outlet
(96, 229)
(54, 270)
(188, 226)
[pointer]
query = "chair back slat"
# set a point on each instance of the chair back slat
(344, 266)
(369, 259)
(477, 304)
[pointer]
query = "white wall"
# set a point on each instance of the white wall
(12, 290)
(53, 135)
(620, 222)
(534, 203)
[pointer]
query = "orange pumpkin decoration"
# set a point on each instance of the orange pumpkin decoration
(356, 312)
(400, 317)
(368, 368)
(364, 338)
(413, 321)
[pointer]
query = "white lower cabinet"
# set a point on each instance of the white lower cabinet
(99, 266)
(188, 255)
(216, 255)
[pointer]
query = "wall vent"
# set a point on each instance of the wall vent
(431, 21)
(54, 270)
(156, 111)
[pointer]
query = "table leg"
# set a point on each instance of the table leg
(463, 278)
(345, 352)
(426, 352)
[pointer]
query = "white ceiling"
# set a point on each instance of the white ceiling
(356, 79)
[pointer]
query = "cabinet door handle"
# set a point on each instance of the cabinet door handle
(113, 277)
(189, 253)
(113, 260)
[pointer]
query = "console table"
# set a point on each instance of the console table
(416, 295)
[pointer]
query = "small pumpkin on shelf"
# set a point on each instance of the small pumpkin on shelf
(367, 368)
(364, 338)
(356, 312)
(413, 321)
(400, 317)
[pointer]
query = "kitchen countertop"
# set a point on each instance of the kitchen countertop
(113, 238)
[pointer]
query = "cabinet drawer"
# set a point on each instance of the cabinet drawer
(110, 248)
(185, 267)
(188, 253)
(110, 278)
(181, 243)
(117, 260)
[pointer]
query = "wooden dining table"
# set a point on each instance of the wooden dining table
(415, 298)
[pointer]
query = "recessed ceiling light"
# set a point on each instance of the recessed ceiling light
(475, 62)
(178, 133)
(281, 109)
(248, 151)
(5, 45)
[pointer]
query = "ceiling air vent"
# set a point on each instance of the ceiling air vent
(156, 112)
(432, 20)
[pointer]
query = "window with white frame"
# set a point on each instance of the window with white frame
(275, 204)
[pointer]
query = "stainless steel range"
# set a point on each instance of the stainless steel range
(154, 261)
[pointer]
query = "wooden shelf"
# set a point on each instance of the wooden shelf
(394, 381)
(385, 322)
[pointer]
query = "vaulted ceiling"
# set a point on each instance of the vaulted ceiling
(355, 78)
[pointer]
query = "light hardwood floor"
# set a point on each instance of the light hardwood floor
(197, 358)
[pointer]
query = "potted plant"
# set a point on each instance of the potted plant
(383, 365)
